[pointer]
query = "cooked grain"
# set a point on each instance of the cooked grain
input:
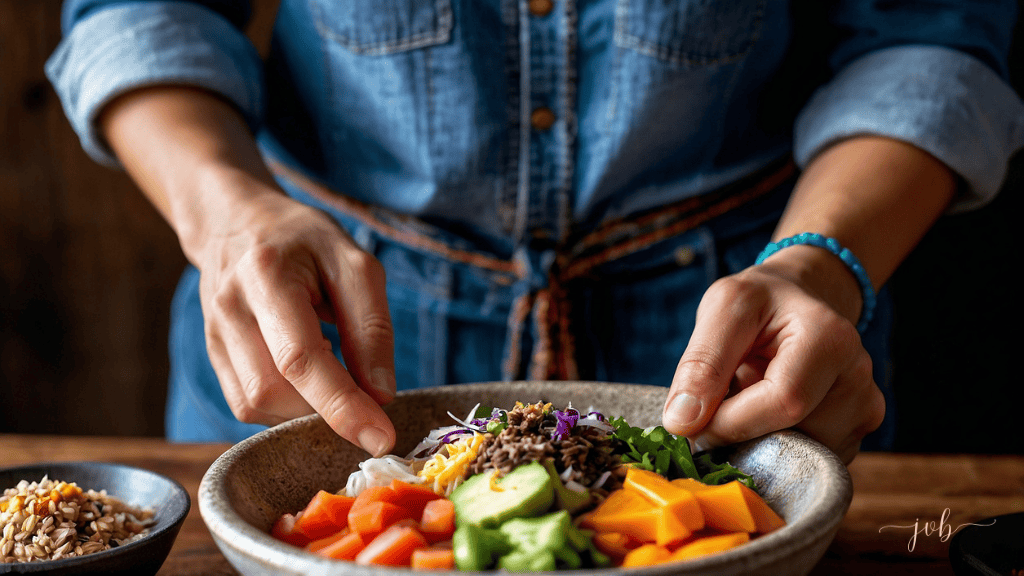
(50, 519)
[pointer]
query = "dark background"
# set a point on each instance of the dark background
(88, 267)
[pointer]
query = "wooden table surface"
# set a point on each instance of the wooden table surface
(892, 493)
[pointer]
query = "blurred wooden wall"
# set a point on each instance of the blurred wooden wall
(87, 269)
(87, 265)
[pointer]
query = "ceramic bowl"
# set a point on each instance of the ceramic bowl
(134, 486)
(280, 469)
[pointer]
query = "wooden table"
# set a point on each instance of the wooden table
(892, 493)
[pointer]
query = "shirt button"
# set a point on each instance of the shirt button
(542, 118)
(541, 7)
(685, 255)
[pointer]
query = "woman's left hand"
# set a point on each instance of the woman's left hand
(770, 352)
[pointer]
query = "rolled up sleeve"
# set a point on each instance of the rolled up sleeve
(944, 101)
(135, 44)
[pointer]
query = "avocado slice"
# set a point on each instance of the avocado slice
(524, 492)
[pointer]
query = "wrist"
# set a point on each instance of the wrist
(220, 200)
(822, 274)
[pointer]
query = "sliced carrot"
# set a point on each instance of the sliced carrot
(392, 547)
(653, 486)
(625, 512)
(615, 544)
(646, 555)
(376, 494)
(670, 528)
(284, 530)
(325, 514)
(372, 518)
(343, 546)
(412, 496)
(317, 545)
(438, 520)
(733, 507)
(710, 545)
(433, 558)
(724, 507)
(766, 519)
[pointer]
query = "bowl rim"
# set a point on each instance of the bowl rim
(229, 529)
(176, 519)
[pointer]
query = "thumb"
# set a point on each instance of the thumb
(725, 330)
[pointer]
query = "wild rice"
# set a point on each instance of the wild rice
(50, 519)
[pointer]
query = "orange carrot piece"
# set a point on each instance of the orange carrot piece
(765, 519)
(670, 528)
(710, 545)
(724, 507)
(345, 547)
(433, 558)
(646, 555)
(653, 486)
(392, 547)
(615, 544)
(412, 496)
(373, 518)
(317, 545)
(284, 530)
(438, 520)
(325, 514)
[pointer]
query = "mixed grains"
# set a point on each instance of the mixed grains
(528, 437)
(50, 519)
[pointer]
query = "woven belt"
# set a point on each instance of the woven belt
(548, 307)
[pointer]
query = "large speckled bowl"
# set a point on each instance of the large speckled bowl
(280, 469)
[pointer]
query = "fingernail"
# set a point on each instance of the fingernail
(383, 381)
(684, 410)
(700, 444)
(374, 440)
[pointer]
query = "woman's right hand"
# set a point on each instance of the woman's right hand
(271, 268)
(268, 277)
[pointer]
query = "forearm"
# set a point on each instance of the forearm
(877, 197)
(192, 155)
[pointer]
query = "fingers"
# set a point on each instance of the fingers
(805, 368)
(723, 335)
(356, 291)
(251, 381)
(766, 356)
(282, 297)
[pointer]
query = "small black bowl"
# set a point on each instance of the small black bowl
(133, 486)
(989, 547)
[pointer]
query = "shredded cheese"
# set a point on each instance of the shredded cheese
(444, 472)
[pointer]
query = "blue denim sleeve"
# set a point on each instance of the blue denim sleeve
(110, 48)
(933, 77)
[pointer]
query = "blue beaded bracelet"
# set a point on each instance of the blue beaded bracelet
(844, 254)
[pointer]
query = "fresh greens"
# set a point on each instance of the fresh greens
(669, 455)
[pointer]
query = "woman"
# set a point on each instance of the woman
(450, 190)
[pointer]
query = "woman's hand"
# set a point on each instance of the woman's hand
(775, 345)
(767, 353)
(268, 278)
(271, 268)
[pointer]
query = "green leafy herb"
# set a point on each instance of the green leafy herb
(660, 451)
(722, 473)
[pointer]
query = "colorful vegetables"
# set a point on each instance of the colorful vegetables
(525, 545)
(652, 520)
(486, 500)
(531, 506)
(384, 525)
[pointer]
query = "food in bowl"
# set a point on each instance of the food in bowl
(534, 489)
(53, 519)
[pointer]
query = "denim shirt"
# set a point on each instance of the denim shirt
(511, 125)
(508, 119)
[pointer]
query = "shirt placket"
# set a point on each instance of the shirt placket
(547, 104)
